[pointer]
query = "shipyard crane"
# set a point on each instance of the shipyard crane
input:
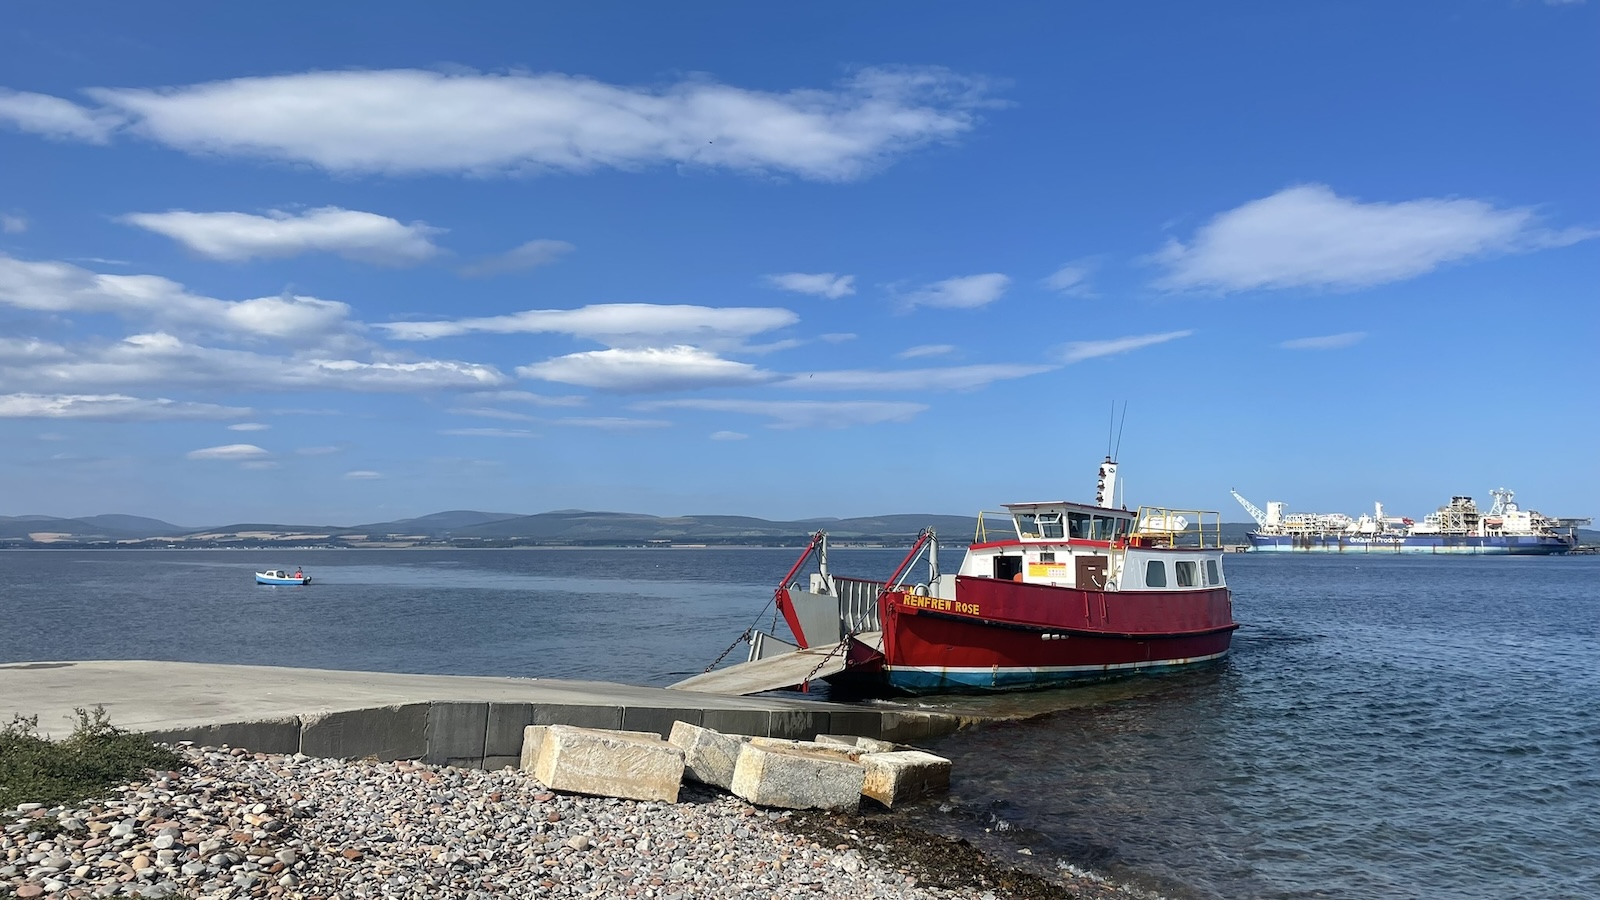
(1251, 508)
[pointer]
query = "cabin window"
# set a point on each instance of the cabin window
(1047, 557)
(1104, 529)
(1080, 525)
(1155, 573)
(1214, 576)
(1028, 525)
(1050, 525)
(1188, 573)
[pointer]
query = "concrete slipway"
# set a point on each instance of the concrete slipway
(452, 719)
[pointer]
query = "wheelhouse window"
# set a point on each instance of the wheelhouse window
(1050, 525)
(1188, 573)
(1028, 525)
(1080, 525)
(1212, 573)
(1104, 528)
(1155, 573)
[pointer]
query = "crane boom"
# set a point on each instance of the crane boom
(1251, 508)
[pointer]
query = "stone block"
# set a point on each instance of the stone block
(385, 732)
(266, 736)
(708, 756)
(738, 721)
(904, 775)
(797, 778)
(838, 751)
(502, 733)
(657, 719)
(533, 743)
(580, 715)
(456, 732)
(799, 723)
(609, 764)
(864, 722)
(864, 744)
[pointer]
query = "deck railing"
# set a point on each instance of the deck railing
(1159, 526)
(858, 603)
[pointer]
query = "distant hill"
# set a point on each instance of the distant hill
(576, 525)
(108, 527)
(440, 521)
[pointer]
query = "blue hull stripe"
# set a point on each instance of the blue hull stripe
(1002, 678)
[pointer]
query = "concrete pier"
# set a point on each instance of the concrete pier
(459, 720)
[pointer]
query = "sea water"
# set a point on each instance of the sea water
(1385, 726)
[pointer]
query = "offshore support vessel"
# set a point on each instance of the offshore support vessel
(1048, 593)
(1458, 527)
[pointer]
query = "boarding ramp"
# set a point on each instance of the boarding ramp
(835, 606)
(779, 670)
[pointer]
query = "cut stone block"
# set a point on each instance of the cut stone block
(838, 751)
(533, 741)
(609, 763)
(708, 756)
(797, 777)
(904, 775)
(864, 744)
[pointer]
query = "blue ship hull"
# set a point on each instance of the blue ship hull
(1514, 545)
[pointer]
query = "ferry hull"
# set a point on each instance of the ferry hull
(1025, 636)
(1508, 545)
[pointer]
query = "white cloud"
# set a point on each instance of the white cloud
(728, 436)
(487, 412)
(1307, 236)
(229, 452)
(13, 223)
(825, 284)
(954, 378)
(61, 287)
(249, 426)
(362, 475)
(967, 292)
(163, 360)
(236, 236)
(610, 423)
(811, 414)
(528, 256)
(526, 397)
(110, 407)
(1078, 351)
(1071, 279)
(615, 324)
(490, 432)
(647, 369)
(408, 121)
(1325, 342)
(923, 350)
(54, 117)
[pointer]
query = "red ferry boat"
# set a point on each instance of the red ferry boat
(1048, 593)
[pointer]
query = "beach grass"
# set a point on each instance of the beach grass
(95, 758)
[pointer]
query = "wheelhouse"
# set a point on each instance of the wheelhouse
(1074, 545)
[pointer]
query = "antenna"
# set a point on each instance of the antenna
(1119, 426)
(1110, 425)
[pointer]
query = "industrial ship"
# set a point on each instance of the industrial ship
(1458, 527)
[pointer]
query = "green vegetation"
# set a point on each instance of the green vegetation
(97, 756)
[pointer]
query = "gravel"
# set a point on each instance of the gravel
(234, 824)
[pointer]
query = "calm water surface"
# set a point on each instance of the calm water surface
(1386, 727)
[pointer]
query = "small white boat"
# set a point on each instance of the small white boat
(279, 576)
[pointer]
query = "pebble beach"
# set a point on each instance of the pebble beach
(234, 824)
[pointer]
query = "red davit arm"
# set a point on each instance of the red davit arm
(780, 594)
(922, 540)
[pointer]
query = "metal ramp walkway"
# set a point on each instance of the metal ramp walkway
(778, 672)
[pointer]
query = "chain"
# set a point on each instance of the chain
(714, 662)
(806, 682)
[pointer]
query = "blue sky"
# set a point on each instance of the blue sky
(322, 263)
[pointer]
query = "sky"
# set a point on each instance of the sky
(338, 263)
